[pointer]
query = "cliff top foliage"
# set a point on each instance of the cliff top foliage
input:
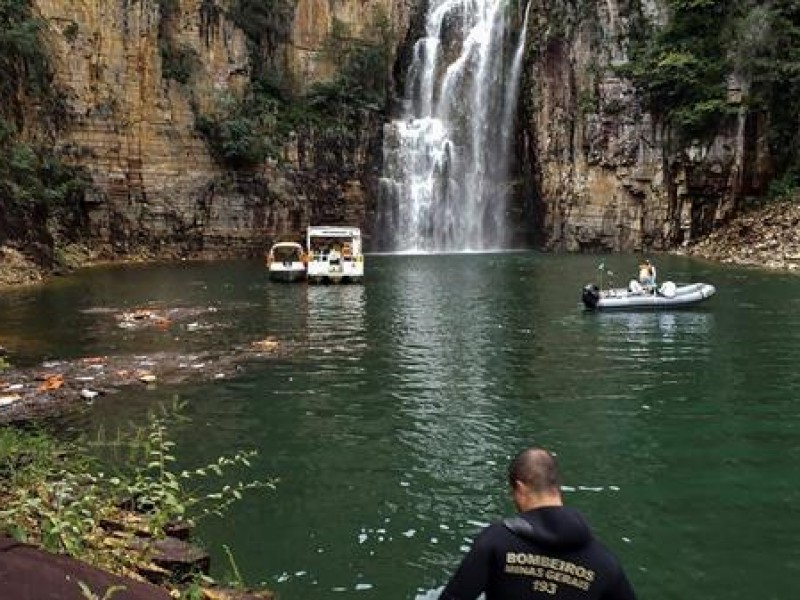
(685, 69)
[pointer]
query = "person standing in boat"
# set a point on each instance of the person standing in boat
(546, 551)
(647, 276)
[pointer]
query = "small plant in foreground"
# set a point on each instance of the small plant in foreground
(60, 496)
(87, 593)
(155, 488)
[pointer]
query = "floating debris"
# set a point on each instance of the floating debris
(9, 399)
(31, 393)
(51, 382)
(94, 360)
(160, 318)
(269, 344)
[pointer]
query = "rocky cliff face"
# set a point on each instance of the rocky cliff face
(604, 173)
(156, 188)
(599, 171)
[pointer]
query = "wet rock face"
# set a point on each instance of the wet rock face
(606, 173)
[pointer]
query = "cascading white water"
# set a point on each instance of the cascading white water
(446, 163)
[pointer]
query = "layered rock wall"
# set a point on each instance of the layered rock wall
(601, 172)
(316, 19)
(605, 173)
(156, 189)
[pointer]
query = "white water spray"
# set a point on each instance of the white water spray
(445, 183)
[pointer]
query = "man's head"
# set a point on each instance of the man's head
(534, 479)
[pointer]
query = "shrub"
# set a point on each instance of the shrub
(178, 62)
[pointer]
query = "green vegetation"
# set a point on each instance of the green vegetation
(178, 61)
(786, 186)
(768, 53)
(71, 31)
(266, 23)
(244, 132)
(682, 71)
(33, 176)
(362, 66)
(88, 594)
(35, 180)
(23, 61)
(60, 496)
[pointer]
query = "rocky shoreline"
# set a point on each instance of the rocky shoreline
(18, 268)
(767, 237)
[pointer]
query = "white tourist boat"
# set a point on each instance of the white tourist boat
(335, 254)
(286, 262)
(635, 297)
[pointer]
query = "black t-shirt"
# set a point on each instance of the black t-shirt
(543, 553)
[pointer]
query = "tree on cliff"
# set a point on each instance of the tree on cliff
(683, 69)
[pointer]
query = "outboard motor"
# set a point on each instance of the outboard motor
(590, 296)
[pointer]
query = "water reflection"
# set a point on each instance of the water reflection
(442, 343)
(672, 325)
(335, 323)
(654, 336)
(445, 365)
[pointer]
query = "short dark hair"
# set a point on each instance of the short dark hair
(536, 468)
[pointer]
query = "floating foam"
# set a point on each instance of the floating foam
(363, 586)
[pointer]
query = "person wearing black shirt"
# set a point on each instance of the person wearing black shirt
(546, 551)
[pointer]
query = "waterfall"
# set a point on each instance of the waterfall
(446, 160)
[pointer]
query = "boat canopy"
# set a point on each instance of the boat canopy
(283, 251)
(329, 234)
(334, 232)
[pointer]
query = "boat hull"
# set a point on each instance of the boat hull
(287, 274)
(286, 262)
(344, 271)
(334, 254)
(677, 296)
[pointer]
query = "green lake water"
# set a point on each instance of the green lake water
(393, 407)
